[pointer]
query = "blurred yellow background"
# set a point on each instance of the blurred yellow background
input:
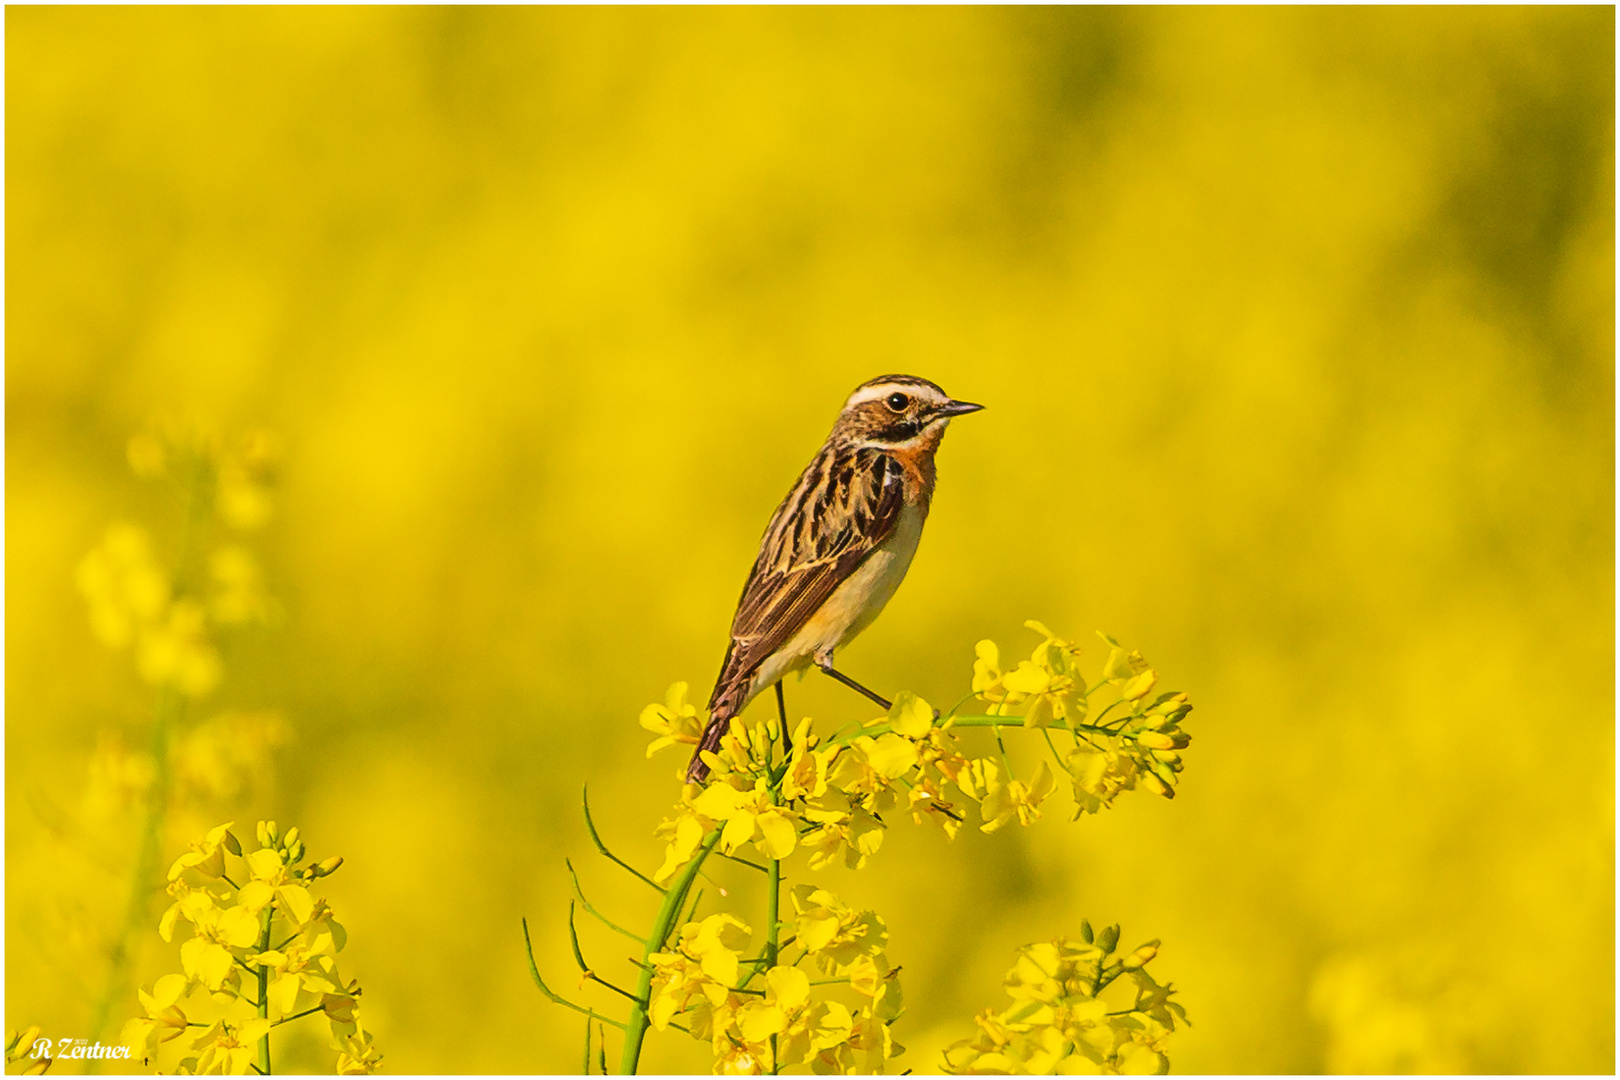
(1295, 329)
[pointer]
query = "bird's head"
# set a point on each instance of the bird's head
(898, 413)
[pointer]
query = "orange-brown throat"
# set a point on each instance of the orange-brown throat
(917, 459)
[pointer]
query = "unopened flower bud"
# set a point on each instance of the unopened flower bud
(232, 844)
(1157, 786)
(1108, 938)
(1141, 956)
(327, 866)
(295, 852)
(1138, 687)
(1156, 740)
(1085, 931)
(291, 838)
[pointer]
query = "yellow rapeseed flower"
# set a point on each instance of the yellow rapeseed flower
(675, 721)
(832, 933)
(1003, 802)
(230, 1048)
(164, 1021)
(357, 1056)
(703, 962)
(841, 829)
(749, 815)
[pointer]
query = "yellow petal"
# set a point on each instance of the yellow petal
(1026, 678)
(1043, 784)
(266, 863)
(296, 903)
(283, 993)
(239, 927)
(168, 990)
(719, 801)
(911, 716)
(777, 833)
(739, 830)
(721, 966)
(254, 895)
(890, 755)
(789, 985)
(251, 1031)
(655, 719)
(758, 1021)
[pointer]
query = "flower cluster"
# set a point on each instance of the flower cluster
(1077, 1008)
(170, 621)
(1134, 740)
(260, 936)
(789, 1018)
(831, 797)
(826, 996)
(827, 797)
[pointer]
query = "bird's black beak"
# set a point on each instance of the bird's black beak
(957, 408)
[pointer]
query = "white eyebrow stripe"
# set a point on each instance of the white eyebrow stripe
(883, 390)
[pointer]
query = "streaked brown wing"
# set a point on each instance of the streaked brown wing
(840, 511)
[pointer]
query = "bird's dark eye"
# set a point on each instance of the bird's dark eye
(898, 402)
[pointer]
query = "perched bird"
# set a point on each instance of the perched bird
(836, 548)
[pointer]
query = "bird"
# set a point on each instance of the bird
(836, 548)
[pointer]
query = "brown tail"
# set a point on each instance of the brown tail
(729, 697)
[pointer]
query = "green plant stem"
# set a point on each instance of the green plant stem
(773, 903)
(663, 925)
(264, 988)
(1012, 721)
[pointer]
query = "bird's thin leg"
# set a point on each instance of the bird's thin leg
(781, 712)
(828, 669)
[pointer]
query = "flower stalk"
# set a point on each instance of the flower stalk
(663, 925)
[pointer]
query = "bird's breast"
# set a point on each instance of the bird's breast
(875, 580)
(853, 605)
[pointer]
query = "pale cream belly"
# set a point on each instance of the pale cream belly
(851, 607)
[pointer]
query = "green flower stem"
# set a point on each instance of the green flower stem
(590, 827)
(591, 910)
(312, 1010)
(1010, 721)
(264, 987)
(773, 903)
(663, 926)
